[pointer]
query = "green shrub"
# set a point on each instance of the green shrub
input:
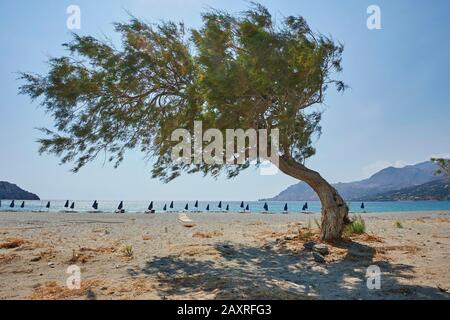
(356, 226)
(128, 250)
(398, 224)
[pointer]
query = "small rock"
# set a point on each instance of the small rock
(321, 248)
(289, 237)
(309, 245)
(36, 259)
(51, 264)
(318, 257)
(90, 295)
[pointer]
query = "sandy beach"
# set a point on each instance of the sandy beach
(224, 256)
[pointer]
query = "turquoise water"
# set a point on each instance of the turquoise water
(234, 206)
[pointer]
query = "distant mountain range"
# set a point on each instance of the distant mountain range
(12, 192)
(409, 183)
(434, 190)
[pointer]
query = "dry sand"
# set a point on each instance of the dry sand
(240, 256)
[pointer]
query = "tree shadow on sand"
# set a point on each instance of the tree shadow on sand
(247, 272)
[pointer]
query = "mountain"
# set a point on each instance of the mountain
(12, 192)
(434, 190)
(386, 180)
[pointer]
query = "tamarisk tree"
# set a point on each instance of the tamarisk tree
(236, 71)
(443, 167)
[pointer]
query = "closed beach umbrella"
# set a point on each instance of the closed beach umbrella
(67, 204)
(242, 204)
(48, 205)
(186, 207)
(95, 205)
(22, 205)
(285, 207)
(150, 207)
(362, 206)
(0, 203)
(207, 207)
(120, 207)
(220, 205)
(247, 208)
(266, 207)
(196, 204)
(171, 205)
(165, 207)
(228, 207)
(72, 206)
(305, 206)
(12, 204)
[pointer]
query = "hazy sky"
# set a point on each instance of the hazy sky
(397, 110)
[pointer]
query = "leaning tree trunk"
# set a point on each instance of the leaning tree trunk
(334, 208)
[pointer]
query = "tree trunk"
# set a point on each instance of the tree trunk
(334, 208)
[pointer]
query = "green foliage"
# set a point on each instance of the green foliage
(128, 251)
(241, 71)
(398, 224)
(357, 225)
(305, 234)
(444, 166)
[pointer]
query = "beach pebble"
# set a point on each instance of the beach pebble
(318, 257)
(321, 248)
(309, 245)
(51, 264)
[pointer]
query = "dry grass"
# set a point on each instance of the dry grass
(85, 254)
(47, 255)
(440, 219)
(367, 238)
(440, 236)
(207, 235)
(307, 234)
(405, 248)
(133, 288)
(52, 291)
(80, 257)
(196, 250)
(13, 243)
(268, 235)
(111, 249)
(7, 258)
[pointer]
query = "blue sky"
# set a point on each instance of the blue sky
(397, 110)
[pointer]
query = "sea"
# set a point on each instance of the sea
(294, 207)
